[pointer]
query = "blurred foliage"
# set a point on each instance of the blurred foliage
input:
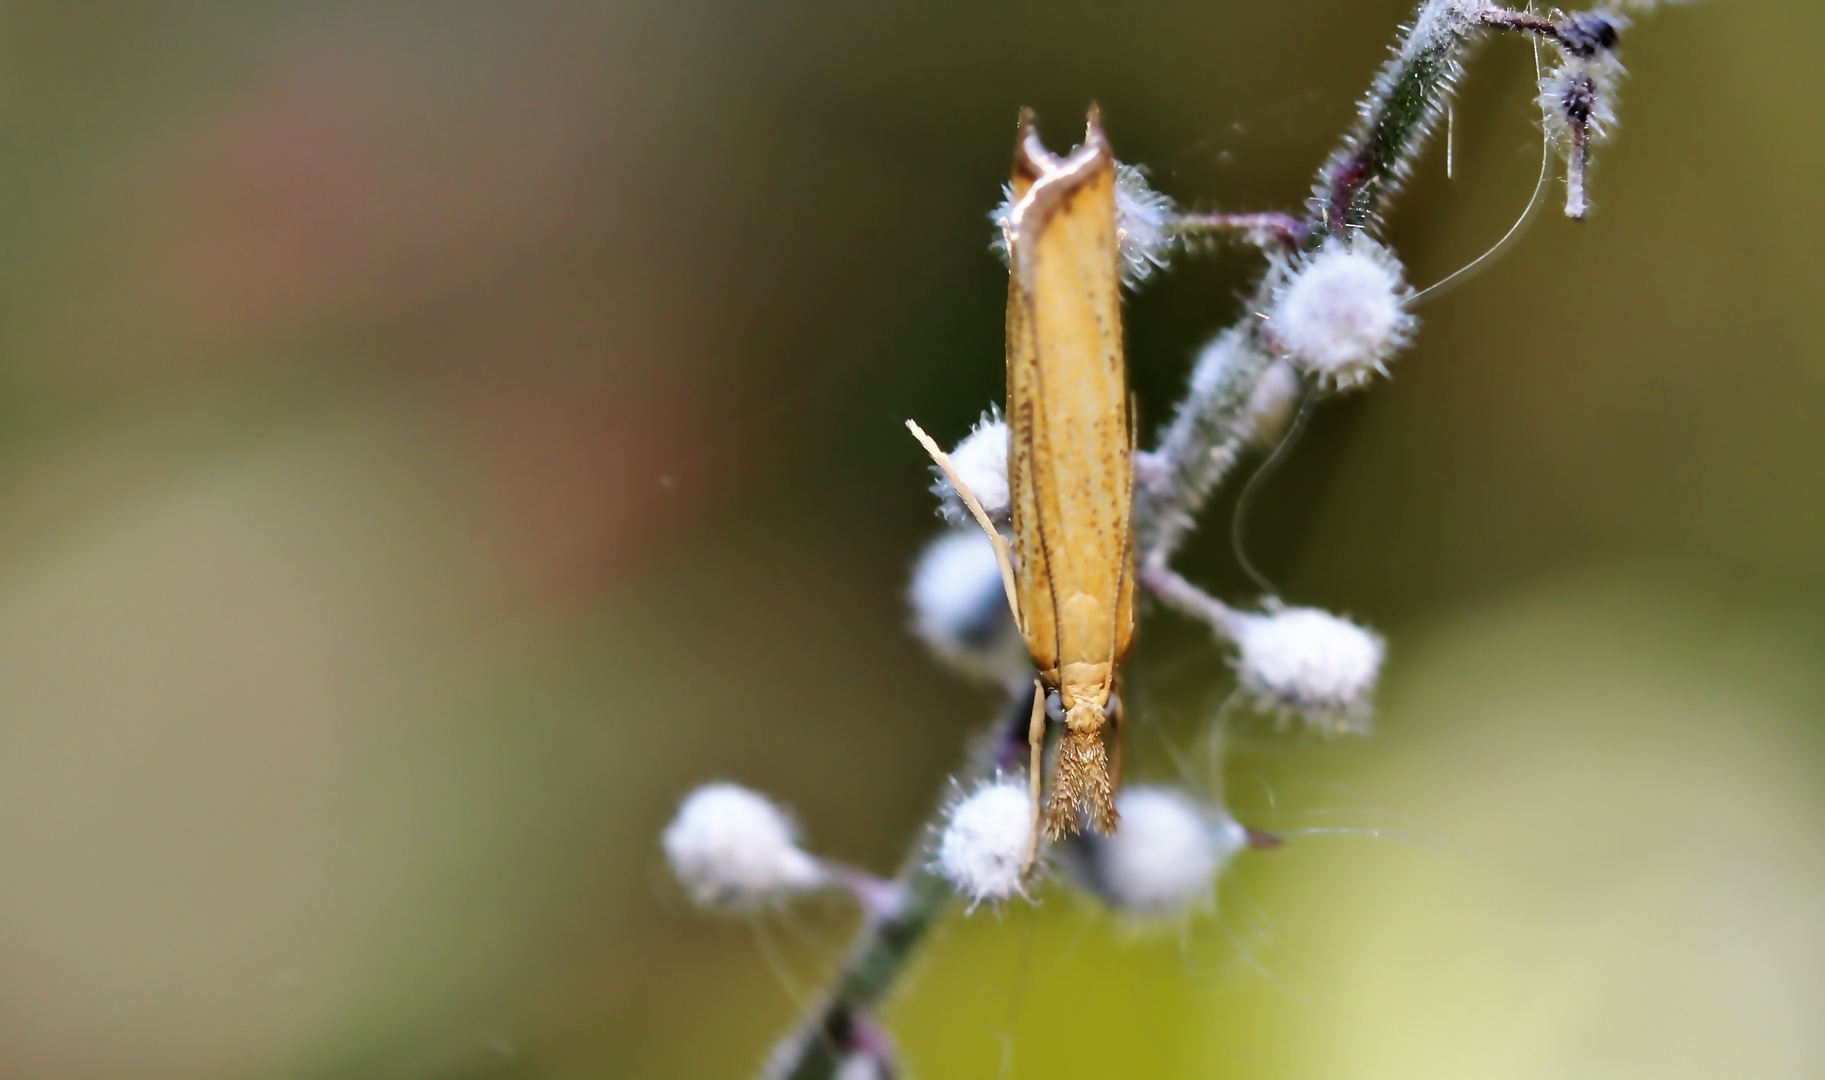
(433, 436)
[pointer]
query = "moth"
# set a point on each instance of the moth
(1069, 573)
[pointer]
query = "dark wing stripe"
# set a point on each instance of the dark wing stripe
(1038, 416)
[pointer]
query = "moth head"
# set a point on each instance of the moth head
(1085, 716)
(1082, 709)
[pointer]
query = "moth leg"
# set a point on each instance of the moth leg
(1036, 781)
(1002, 558)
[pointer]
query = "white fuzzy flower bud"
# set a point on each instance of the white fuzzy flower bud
(732, 847)
(1165, 858)
(1143, 218)
(1343, 312)
(960, 609)
(1309, 662)
(984, 847)
(981, 459)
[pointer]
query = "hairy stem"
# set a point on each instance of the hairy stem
(1187, 599)
(889, 939)
(1205, 437)
(883, 951)
(1270, 230)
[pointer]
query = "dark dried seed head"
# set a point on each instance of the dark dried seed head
(1579, 99)
(1586, 34)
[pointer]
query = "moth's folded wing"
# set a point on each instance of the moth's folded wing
(1082, 466)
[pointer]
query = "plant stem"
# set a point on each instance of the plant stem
(1269, 230)
(888, 941)
(1187, 599)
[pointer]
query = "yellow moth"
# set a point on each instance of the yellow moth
(1069, 573)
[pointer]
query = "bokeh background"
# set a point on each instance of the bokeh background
(434, 436)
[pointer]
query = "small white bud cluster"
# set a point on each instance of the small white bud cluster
(960, 609)
(1342, 312)
(1308, 662)
(1165, 858)
(1143, 219)
(983, 849)
(1581, 91)
(733, 848)
(981, 459)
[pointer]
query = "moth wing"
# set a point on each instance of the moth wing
(1070, 464)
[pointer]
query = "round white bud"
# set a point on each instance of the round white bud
(1142, 225)
(1343, 312)
(984, 847)
(981, 459)
(732, 847)
(1309, 662)
(960, 608)
(1165, 857)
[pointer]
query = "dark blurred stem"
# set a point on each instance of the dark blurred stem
(882, 953)
(1172, 483)
(891, 936)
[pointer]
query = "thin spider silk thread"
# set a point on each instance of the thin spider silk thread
(1023, 965)
(1475, 266)
(1244, 501)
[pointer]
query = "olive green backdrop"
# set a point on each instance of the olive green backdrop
(433, 436)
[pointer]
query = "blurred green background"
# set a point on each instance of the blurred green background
(434, 436)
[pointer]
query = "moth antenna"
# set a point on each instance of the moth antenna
(1245, 502)
(1036, 776)
(1002, 558)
